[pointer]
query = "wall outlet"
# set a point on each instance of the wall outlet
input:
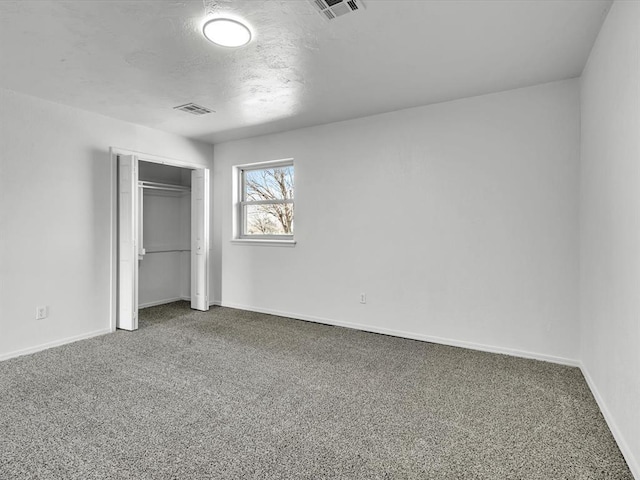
(363, 298)
(42, 312)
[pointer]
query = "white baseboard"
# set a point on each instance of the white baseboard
(163, 302)
(632, 462)
(413, 336)
(56, 343)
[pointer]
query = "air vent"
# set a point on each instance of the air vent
(331, 9)
(193, 109)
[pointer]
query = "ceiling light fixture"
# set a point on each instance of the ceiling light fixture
(226, 32)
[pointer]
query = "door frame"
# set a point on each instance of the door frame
(113, 273)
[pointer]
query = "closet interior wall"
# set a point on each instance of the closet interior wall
(165, 268)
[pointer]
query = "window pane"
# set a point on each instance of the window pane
(269, 184)
(268, 219)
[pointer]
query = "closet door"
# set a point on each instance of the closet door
(200, 239)
(128, 208)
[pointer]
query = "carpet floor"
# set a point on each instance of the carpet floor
(230, 394)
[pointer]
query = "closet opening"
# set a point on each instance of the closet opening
(162, 235)
(164, 251)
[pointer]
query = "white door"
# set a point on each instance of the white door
(200, 239)
(128, 208)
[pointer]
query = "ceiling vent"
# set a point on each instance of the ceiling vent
(330, 9)
(193, 109)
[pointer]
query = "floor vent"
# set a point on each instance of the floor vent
(331, 9)
(193, 109)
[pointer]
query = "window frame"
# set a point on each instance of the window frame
(241, 202)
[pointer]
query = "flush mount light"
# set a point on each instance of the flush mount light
(226, 32)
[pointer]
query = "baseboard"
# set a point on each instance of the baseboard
(162, 302)
(410, 335)
(628, 455)
(57, 343)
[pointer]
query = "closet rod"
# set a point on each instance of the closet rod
(147, 252)
(164, 186)
(166, 249)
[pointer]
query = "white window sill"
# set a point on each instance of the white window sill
(270, 242)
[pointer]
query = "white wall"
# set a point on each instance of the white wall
(164, 272)
(55, 200)
(610, 225)
(458, 220)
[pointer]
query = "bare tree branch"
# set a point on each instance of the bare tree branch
(271, 184)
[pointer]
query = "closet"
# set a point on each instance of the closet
(165, 236)
(162, 235)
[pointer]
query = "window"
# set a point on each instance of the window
(265, 202)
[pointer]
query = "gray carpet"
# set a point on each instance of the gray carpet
(231, 394)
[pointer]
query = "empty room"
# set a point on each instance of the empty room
(319, 239)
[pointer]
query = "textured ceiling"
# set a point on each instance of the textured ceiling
(135, 60)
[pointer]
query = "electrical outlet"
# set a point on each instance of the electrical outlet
(42, 312)
(363, 298)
